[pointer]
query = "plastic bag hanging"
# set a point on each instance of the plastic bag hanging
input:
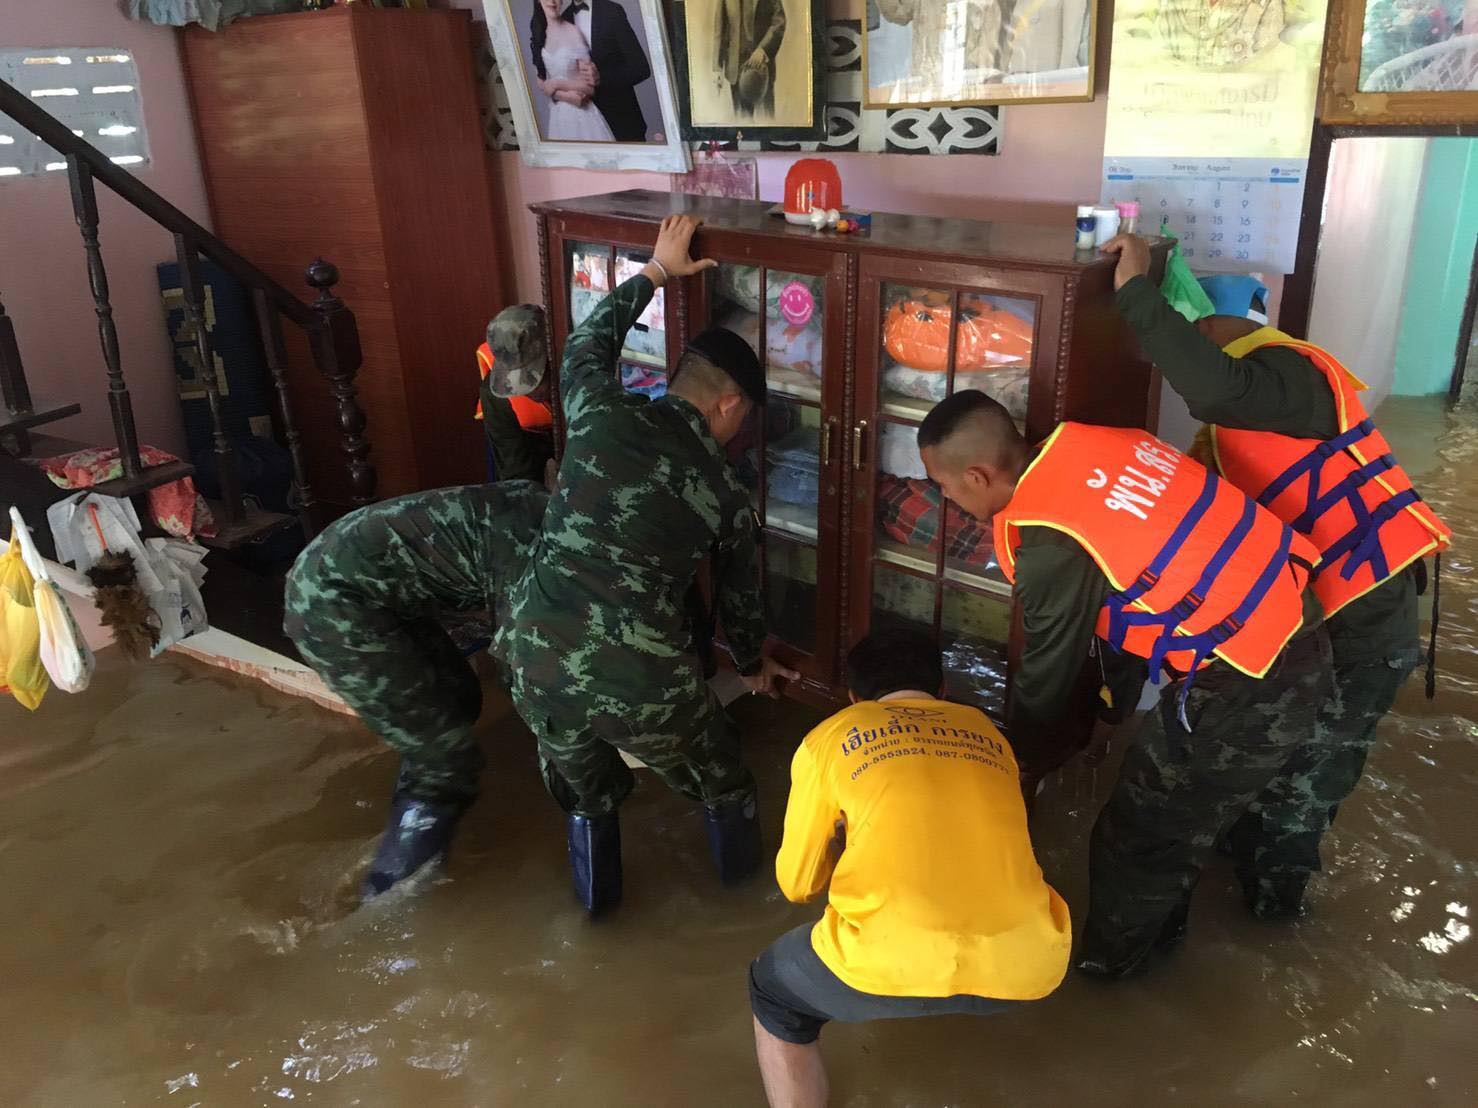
(21, 672)
(1180, 286)
(67, 658)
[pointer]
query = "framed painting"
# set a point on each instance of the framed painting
(751, 68)
(589, 82)
(922, 53)
(1399, 62)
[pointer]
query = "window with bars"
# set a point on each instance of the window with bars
(93, 90)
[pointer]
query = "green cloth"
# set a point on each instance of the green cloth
(1181, 289)
(1273, 389)
(644, 494)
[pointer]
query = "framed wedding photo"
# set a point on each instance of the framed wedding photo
(755, 68)
(920, 53)
(589, 83)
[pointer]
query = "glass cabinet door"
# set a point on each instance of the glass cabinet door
(932, 566)
(594, 269)
(784, 455)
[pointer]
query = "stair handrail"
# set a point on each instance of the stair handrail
(333, 335)
(50, 130)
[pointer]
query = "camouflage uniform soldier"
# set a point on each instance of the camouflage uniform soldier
(361, 605)
(598, 645)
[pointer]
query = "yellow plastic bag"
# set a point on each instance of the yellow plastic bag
(21, 671)
(68, 659)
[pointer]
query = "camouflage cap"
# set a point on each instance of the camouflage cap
(518, 340)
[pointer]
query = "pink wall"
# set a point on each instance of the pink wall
(43, 274)
(1050, 160)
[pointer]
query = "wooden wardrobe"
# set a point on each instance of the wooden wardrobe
(353, 134)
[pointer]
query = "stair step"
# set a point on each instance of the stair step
(42, 412)
(253, 524)
(151, 478)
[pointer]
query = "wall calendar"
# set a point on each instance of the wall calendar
(1231, 215)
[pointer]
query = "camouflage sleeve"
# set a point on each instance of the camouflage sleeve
(737, 595)
(587, 378)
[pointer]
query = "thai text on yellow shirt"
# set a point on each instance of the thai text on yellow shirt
(938, 892)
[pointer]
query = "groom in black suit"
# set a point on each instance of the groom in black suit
(618, 63)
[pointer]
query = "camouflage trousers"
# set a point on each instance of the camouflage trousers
(1178, 789)
(686, 738)
(362, 603)
(1276, 841)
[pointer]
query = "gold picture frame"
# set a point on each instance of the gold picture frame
(1343, 102)
(1073, 84)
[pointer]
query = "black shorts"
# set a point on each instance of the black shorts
(793, 994)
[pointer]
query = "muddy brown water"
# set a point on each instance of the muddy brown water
(178, 849)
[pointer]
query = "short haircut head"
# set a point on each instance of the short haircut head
(701, 382)
(970, 428)
(891, 659)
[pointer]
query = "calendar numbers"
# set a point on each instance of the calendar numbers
(1245, 220)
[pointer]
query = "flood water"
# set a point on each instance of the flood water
(178, 849)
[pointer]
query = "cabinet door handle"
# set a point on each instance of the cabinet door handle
(857, 434)
(826, 430)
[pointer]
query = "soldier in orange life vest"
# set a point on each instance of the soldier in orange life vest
(1110, 532)
(1286, 425)
(514, 405)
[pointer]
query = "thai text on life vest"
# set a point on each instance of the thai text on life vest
(1136, 490)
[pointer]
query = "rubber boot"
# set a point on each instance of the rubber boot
(1174, 928)
(734, 839)
(417, 832)
(1113, 966)
(1275, 896)
(595, 861)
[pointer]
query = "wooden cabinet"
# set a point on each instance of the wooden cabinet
(860, 336)
(353, 134)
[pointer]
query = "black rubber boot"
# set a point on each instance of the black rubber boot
(1174, 928)
(417, 832)
(595, 861)
(1113, 965)
(734, 839)
(1276, 897)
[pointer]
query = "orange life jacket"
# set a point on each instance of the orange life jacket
(533, 415)
(1196, 566)
(1347, 494)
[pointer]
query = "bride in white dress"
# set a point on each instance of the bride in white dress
(559, 48)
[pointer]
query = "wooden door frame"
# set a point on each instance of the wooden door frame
(1465, 331)
(1298, 288)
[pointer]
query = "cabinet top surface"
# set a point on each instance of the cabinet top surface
(956, 239)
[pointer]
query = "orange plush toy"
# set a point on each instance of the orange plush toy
(916, 334)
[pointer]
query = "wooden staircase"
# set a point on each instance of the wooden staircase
(333, 338)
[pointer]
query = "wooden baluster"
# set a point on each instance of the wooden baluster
(13, 388)
(14, 392)
(194, 297)
(120, 405)
(270, 325)
(336, 351)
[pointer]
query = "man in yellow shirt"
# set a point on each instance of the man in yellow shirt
(910, 808)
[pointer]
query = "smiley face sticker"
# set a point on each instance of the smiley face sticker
(796, 304)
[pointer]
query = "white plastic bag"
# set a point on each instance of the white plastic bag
(177, 565)
(65, 654)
